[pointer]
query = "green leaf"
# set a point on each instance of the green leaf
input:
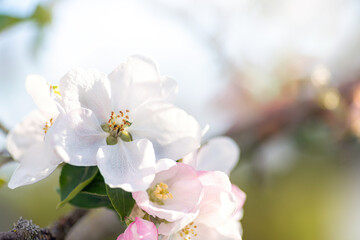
(121, 200)
(97, 186)
(88, 200)
(73, 179)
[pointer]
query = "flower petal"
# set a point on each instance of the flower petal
(200, 232)
(40, 92)
(78, 137)
(38, 162)
(138, 81)
(219, 203)
(240, 199)
(128, 165)
(27, 133)
(88, 89)
(219, 154)
(181, 179)
(171, 130)
(140, 229)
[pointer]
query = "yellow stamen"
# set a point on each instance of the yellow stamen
(48, 125)
(188, 232)
(159, 193)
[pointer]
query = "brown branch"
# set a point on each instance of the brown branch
(25, 229)
(4, 129)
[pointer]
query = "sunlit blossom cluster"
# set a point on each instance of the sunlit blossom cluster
(126, 124)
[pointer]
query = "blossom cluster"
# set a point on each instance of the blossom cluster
(126, 128)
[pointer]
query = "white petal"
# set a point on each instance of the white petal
(137, 69)
(191, 159)
(231, 229)
(171, 130)
(78, 137)
(219, 154)
(40, 92)
(164, 164)
(138, 81)
(128, 165)
(200, 232)
(88, 89)
(168, 228)
(27, 133)
(37, 163)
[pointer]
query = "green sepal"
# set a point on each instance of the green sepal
(121, 200)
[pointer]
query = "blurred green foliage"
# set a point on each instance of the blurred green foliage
(41, 16)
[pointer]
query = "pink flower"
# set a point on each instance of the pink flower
(175, 193)
(140, 229)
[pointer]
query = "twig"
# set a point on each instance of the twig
(4, 129)
(25, 229)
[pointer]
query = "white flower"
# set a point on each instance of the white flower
(218, 154)
(215, 219)
(122, 121)
(31, 141)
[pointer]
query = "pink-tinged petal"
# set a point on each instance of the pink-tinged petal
(78, 137)
(40, 92)
(38, 162)
(27, 133)
(240, 200)
(219, 203)
(128, 165)
(171, 130)
(138, 81)
(219, 154)
(181, 180)
(88, 89)
(140, 229)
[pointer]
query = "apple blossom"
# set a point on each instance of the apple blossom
(124, 122)
(215, 219)
(140, 229)
(31, 141)
(175, 193)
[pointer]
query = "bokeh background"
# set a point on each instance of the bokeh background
(281, 77)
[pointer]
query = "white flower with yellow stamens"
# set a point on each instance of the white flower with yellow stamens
(174, 194)
(124, 122)
(31, 141)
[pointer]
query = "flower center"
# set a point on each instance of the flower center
(188, 232)
(159, 193)
(116, 127)
(48, 125)
(55, 90)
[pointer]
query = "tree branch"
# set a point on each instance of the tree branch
(25, 229)
(4, 129)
